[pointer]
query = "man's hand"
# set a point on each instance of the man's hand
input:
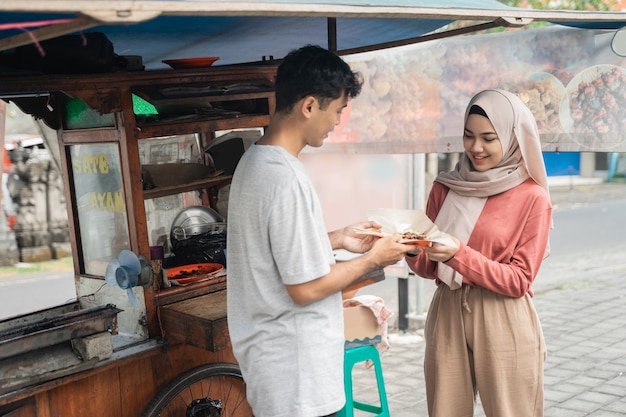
(387, 250)
(380, 252)
(349, 240)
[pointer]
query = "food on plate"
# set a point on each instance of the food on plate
(596, 102)
(408, 237)
(413, 236)
(543, 97)
(194, 270)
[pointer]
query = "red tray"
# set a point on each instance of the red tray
(193, 272)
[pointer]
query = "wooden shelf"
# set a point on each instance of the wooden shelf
(207, 92)
(204, 107)
(169, 128)
(216, 182)
(174, 294)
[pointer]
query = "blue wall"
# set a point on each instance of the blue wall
(562, 163)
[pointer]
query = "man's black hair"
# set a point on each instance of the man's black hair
(314, 71)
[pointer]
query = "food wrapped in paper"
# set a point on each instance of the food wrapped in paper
(414, 225)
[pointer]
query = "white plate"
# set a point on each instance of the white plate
(542, 93)
(585, 122)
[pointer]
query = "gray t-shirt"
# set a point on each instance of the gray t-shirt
(291, 356)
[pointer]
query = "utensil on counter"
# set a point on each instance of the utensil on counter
(194, 221)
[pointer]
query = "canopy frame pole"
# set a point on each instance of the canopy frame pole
(500, 22)
(48, 32)
(332, 34)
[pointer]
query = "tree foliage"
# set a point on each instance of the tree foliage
(590, 5)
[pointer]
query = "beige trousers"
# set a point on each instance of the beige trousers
(481, 342)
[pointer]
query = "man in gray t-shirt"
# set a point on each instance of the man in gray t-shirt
(284, 288)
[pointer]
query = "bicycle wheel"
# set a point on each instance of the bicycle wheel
(213, 389)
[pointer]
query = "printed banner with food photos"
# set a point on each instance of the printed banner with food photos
(414, 97)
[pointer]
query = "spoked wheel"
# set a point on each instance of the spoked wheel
(210, 390)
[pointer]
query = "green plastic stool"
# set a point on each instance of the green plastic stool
(353, 356)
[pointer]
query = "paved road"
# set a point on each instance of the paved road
(583, 317)
(25, 293)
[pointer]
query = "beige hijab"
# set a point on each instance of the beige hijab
(469, 189)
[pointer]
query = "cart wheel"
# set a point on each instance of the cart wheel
(213, 389)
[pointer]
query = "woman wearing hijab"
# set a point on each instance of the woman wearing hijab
(482, 331)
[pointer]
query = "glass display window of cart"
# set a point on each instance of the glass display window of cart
(224, 153)
(190, 225)
(170, 161)
(103, 233)
(100, 204)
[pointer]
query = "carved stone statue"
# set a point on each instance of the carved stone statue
(41, 228)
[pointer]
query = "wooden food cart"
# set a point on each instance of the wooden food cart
(173, 347)
(171, 351)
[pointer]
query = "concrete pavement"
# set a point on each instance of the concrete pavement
(585, 373)
(584, 324)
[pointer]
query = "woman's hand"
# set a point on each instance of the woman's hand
(442, 253)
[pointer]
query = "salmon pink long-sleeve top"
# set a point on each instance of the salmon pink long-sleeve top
(507, 245)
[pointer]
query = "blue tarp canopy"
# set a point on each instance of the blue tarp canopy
(245, 31)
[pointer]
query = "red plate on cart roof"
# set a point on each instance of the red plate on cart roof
(191, 62)
(193, 271)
